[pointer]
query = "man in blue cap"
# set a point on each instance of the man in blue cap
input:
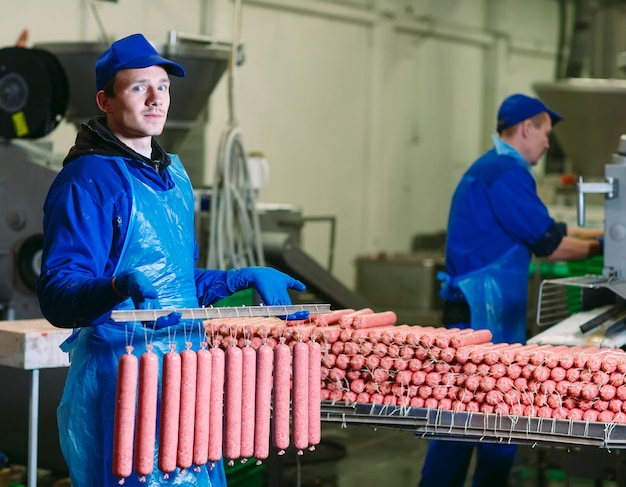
(119, 234)
(496, 222)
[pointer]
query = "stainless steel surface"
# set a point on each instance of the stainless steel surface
(613, 276)
(204, 64)
(608, 188)
(226, 312)
(594, 119)
(609, 333)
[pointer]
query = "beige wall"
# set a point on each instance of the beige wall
(366, 110)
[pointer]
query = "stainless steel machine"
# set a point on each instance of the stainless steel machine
(590, 92)
(590, 310)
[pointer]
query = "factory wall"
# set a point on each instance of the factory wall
(367, 110)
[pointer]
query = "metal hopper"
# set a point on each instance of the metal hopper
(595, 118)
(205, 64)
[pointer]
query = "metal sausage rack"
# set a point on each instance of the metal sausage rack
(475, 427)
(225, 312)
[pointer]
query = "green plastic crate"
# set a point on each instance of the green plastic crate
(247, 474)
(593, 265)
(549, 270)
(240, 298)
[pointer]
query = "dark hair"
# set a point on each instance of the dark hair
(109, 87)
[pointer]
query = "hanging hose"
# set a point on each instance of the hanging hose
(235, 235)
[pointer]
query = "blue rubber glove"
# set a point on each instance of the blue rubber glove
(271, 284)
(135, 285)
(169, 320)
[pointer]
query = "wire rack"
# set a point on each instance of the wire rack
(561, 298)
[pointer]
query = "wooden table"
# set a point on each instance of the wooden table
(32, 345)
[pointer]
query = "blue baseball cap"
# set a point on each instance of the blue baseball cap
(131, 52)
(517, 108)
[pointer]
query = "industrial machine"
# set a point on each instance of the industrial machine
(590, 92)
(601, 298)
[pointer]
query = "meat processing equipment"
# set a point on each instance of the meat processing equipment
(600, 298)
(33, 100)
(589, 309)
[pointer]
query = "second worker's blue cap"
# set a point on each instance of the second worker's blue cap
(517, 108)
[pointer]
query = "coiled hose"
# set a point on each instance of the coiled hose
(235, 234)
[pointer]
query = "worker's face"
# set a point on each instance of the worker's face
(139, 109)
(537, 138)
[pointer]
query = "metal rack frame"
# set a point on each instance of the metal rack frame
(487, 427)
(219, 312)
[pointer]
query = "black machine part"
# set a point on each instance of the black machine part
(29, 260)
(34, 93)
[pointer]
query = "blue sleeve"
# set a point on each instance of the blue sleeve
(84, 218)
(550, 240)
(518, 208)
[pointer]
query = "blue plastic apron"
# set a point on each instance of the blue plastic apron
(497, 295)
(159, 243)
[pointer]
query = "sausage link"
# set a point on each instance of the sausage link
(315, 388)
(474, 338)
(146, 413)
(124, 422)
(232, 403)
(170, 411)
(248, 385)
(216, 406)
(263, 400)
(373, 320)
(203, 398)
(331, 318)
(300, 404)
(189, 364)
(281, 397)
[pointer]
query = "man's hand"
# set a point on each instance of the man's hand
(136, 285)
(272, 285)
(169, 320)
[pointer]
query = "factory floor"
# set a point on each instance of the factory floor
(362, 456)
